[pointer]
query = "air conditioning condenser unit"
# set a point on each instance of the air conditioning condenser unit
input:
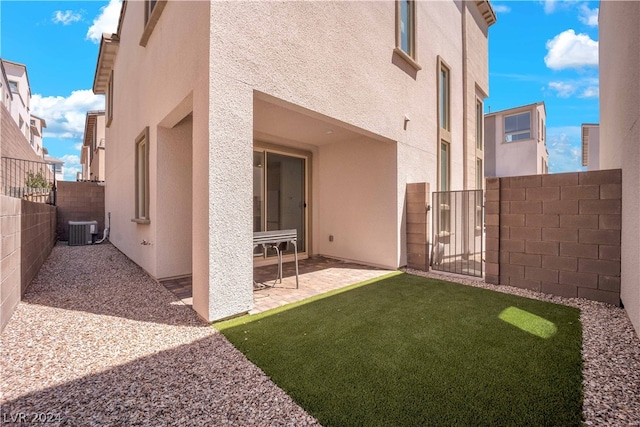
(82, 232)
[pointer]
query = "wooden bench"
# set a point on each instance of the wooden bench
(274, 239)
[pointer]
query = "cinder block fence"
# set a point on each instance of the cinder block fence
(558, 234)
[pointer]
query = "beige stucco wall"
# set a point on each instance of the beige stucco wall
(619, 37)
(360, 83)
(157, 86)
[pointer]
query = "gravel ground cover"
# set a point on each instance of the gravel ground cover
(97, 342)
(610, 352)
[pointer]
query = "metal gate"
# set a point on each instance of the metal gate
(458, 232)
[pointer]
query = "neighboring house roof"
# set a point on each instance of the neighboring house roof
(90, 124)
(24, 67)
(53, 160)
(106, 57)
(4, 76)
(42, 121)
(487, 11)
(520, 107)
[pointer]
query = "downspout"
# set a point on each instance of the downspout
(465, 138)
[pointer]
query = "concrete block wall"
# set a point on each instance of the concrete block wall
(79, 201)
(10, 257)
(417, 226)
(37, 238)
(559, 234)
(27, 231)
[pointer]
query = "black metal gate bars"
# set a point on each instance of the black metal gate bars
(458, 232)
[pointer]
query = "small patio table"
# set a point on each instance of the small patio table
(273, 239)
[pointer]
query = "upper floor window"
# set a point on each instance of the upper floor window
(110, 100)
(444, 98)
(149, 5)
(479, 124)
(152, 11)
(406, 29)
(13, 86)
(517, 127)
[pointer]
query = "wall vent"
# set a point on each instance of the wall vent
(82, 232)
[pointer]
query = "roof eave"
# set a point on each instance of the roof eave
(106, 58)
(485, 8)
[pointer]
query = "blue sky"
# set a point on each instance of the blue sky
(538, 51)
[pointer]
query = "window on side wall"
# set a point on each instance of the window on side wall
(517, 127)
(142, 178)
(149, 5)
(13, 86)
(479, 124)
(110, 100)
(443, 97)
(406, 32)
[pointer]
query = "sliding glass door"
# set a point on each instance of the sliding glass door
(279, 195)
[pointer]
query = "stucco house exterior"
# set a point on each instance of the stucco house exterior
(225, 118)
(93, 145)
(591, 146)
(515, 141)
(619, 38)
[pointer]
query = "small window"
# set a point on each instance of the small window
(142, 177)
(517, 127)
(444, 98)
(479, 174)
(110, 100)
(444, 166)
(479, 124)
(13, 86)
(149, 5)
(406, 27)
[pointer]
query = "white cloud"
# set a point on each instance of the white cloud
(66, 17)
(549, 6)
(571, 50)
(105, 22)
(588, 16)
(591, 92)
(65, 117)
(71, 166)
(563, 89)
(501, 8)
(565, 149)
(77, 146)
(587, 87)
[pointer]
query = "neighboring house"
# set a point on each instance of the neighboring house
(56, 166)
(619, 66)
(515, 141)
(6, 96)
(591, 146)
(92, 156)
(36, 126)
(21, 101)
(225, 118)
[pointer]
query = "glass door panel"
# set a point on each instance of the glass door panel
(286, 203)
(279, 196)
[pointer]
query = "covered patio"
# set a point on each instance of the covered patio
(317, 275)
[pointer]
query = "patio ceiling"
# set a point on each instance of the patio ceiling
(278, 121)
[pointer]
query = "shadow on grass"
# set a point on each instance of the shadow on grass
(407, 350)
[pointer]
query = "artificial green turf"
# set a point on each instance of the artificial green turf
(406, 350)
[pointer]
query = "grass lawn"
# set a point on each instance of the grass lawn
(406, 350)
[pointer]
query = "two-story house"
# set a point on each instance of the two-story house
(225, 118)
(515, 141)
(590, 146)
(92, 156)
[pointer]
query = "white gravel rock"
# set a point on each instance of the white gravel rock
(97, 342)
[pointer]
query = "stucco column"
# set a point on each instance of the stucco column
(222, 234)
